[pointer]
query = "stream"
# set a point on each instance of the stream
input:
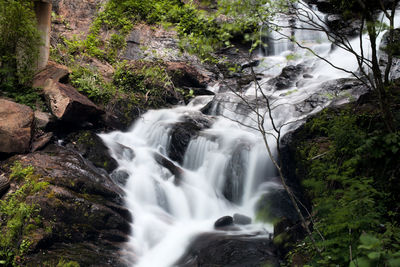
(188, 166)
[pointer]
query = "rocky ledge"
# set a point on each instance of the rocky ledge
(77, 210)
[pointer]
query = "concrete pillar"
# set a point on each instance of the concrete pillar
(43, 15)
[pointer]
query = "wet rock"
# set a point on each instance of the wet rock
(67, 104)
(277, 204)
(235, 174)
(169, 165)
(287, 78)
(120, 177)
(124, 152)
(223, 222)
(90, 146)
(324, 6)
(211, 250)
(343, 27)
(241, 219)
(182, 133)
(79, 208)
(336, 91)
(395, 50)
(251, 64)
(16, 126)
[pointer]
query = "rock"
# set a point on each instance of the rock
(235, 174)
(124, 152)
(4, 184)
(67, 104)
(159, 43)
(253, 63)
(277, 204)
(307, 76)
(287, 78)
(173, 168)
(81, 210)
(121, 114)
(212, 249)
(53, 71)
(16, 124)
(343, 27)
(241, 219)
(182, 133)
(184, 74)
(91, 146)
(42, 119)
(223, 222)
(383, 60)
(324, 6)
(74, 18)
(336, 91)
(40, 141)
(287, 235)
(119, 176)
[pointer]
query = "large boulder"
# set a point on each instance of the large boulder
(52, 71)
(82, 217)
(67, 104)
(16, 122)
(217, 250)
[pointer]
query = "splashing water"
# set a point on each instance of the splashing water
(169, 210)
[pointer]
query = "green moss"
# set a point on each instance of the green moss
(19, 218)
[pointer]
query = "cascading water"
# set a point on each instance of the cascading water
(225, 168)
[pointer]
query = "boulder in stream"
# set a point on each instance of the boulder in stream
(213, 249)
(223, 222)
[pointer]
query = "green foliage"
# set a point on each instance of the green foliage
(26, 95)
(147, 81)
(19, 218)
(90, 83)
(350, 179)
(19, 43)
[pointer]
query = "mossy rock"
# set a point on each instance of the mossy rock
(90, 145)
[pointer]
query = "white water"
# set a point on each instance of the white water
(168, 215)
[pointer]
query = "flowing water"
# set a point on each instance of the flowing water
(225, 168)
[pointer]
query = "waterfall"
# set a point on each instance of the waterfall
(225, 168)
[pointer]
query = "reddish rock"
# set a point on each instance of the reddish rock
(52, 71)
(74, 17)
(16, 122)
(67, 104)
